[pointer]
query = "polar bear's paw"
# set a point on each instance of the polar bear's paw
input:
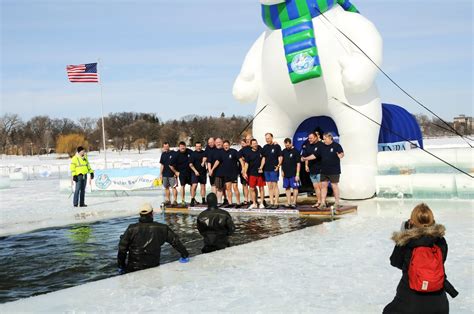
(357, 182)
(245, 88)
(353, 77)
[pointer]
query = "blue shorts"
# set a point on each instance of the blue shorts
(290, 183)
(315, 178)
(271, 176)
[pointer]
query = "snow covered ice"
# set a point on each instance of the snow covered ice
(337, 267)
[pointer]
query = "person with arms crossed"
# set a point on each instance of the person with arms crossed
(215, 170)
(331, 156)
(253, 173)
(197, 163)
(290, 171)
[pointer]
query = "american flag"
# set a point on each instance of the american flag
(83, 73)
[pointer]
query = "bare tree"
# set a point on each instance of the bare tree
(9, 125)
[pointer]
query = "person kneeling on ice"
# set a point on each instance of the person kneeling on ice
(215, 225)
(142, 243)
(420, 252)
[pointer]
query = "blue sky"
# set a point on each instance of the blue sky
(181, 57)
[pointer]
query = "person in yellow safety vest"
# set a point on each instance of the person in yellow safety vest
(80, 167)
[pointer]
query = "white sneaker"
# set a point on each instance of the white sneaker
(261, 206)
(253, 206)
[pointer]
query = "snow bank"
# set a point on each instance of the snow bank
(338, 267)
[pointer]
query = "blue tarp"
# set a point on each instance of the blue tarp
(394, 118)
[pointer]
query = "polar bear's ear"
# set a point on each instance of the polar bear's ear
(270, 2)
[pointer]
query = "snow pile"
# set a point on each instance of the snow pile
(338, 267)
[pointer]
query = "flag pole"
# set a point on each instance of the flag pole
(102, 116)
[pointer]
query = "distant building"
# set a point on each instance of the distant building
(463, 124)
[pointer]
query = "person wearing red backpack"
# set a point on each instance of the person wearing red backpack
(420, 252)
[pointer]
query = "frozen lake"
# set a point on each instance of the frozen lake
(337, 267)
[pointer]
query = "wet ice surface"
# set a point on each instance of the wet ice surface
(337, 267)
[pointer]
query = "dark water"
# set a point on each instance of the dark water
(53, 259)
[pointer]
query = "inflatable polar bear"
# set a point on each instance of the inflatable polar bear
(347, 75)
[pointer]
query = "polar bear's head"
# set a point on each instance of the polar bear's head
(270, 2)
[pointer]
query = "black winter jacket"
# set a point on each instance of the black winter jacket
(142, 241)
(407, 300)
(215, 225)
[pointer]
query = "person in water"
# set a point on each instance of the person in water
(142, 242)
(215, 225)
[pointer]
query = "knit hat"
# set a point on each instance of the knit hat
(145, 209)
(80, 149)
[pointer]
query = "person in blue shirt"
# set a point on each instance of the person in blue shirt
(181, 168)
(312, 160)
(290, 171)
(331, 156)
(271, 163)
(167, 176)
(197, 163)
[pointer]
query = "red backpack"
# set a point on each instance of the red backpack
(426, 269)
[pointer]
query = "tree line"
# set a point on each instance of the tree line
(131, 130)
(124, 130)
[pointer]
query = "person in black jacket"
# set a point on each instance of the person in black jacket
(142, 243)
(420, 231)
(215, 225)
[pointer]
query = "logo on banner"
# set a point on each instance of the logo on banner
(103, 181)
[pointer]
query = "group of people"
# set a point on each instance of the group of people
(420, 252)
(140, 245)
(255, 167)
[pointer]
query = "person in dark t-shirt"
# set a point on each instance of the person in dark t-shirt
(197, 163)
(253, 173)
(290, 171)
(214, 171)
(271, 161)
(181, 168)
(245, 147)
(228, 168)
(312, 160)
(210, 148)
(167, 176)
(331, 156)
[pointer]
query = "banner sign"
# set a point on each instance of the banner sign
(126, 179)
(397, 146)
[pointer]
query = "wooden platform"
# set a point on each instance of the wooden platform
(304, 210)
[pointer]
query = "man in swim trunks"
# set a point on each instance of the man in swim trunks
(197, 163)
(253, 173)
(167, 176)
(271, 163)
(331, 156)
(290, 171)
(312, 160)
